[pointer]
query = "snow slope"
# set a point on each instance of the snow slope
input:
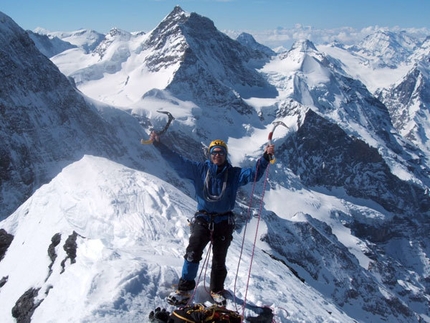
(131, 232)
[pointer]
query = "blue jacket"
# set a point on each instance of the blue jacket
(197, 172)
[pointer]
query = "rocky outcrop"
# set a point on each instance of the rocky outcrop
(322, 154)
(45, 122)
(5, 241)
(25, 306)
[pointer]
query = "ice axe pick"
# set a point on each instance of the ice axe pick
(162, 131)
(275, 125)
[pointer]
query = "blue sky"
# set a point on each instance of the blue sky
(144, 15)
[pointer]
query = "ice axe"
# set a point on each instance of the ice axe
(162, 131)
(275, 124)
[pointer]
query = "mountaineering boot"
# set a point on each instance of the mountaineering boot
(218, 298)
(178, 297)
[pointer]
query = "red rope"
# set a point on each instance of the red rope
(248, 217)
(255, 240)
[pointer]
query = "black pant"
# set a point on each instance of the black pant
(221, 236)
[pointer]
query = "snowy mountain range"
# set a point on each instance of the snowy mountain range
(94, 224)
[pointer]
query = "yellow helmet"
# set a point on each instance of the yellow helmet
(218, 143)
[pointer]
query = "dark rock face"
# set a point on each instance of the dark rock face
(3, 281)
(51, 249)
(169, 28)
(409, 104)
(44, 120)
(25, 306)
(314, 253)
(70, 247)
(323, 155)
(5, 241)
(55, 241)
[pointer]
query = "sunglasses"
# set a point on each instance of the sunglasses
(220, 153)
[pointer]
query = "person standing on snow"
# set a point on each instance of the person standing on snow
(216, 183)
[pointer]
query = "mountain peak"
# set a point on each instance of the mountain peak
(391, 48)
(177, 10)
(8, 27)
(168, 26)
(116, 31)
(177, 14)
(249, 41)
(304, 46)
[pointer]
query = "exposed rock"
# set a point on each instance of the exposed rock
(25, 306)
(3, 281)
(337, 160)
(5, 241)
(70, 247)
(45, 122)
(55, 241)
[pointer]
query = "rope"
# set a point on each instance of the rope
(255, 237)
(248, 216)
(206, 264)
(204, 268)
(255, 240)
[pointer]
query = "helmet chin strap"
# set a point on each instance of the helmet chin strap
(213, 198)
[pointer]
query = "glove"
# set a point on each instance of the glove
(269, 151)
(153, 136)
(159, 316)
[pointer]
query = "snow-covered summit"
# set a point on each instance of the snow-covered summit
(104, 243)
(249, 41)
(392, 48)
(409, 105)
